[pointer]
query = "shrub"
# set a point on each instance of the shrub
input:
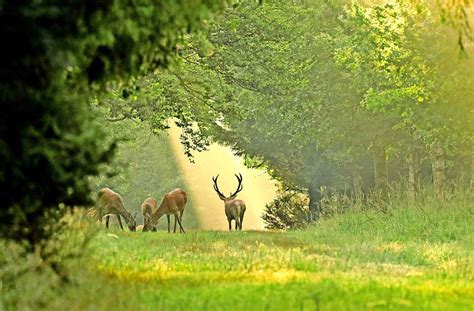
(34, 279)
(290, 210)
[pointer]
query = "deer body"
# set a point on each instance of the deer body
(234, 208)
(109, 202)
(173, 204)
(148, 207)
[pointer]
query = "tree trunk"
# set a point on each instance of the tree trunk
(438, 167)
(380, 169)
(472, 171)
(356, 181)
(412, 175)
(314, 201)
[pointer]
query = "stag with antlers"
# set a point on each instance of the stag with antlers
(234, 209)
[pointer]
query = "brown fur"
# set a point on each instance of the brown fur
(234, 209)
(149, 206)
(173, 203)
(109, 202)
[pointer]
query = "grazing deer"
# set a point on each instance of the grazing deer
(173, 204)
(149, 206)
(234, 209)
(109, 202)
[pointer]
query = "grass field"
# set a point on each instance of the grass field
(401, 259)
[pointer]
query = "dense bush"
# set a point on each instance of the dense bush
(28, 283)
(290, 210)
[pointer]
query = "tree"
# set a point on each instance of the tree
(457, 14)
(407, 66)
(340, 102)
(320, 95)
(58, 57)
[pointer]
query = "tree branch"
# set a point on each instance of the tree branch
(196, 94)
(117, 119)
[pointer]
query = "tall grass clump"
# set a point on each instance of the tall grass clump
(396, 228)
(290, 210)
(57, 274)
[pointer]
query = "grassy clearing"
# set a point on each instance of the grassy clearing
(403, 259)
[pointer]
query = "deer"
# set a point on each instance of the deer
(148, 207)
(173, 203)
(234, 209)
(110, 203)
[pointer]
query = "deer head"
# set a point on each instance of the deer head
(132, 223)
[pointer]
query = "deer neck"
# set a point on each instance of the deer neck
(159, 212)
(125, 214)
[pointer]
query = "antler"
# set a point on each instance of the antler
(216, 188)
(239, 187)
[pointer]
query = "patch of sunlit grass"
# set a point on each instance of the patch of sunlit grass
(444, 288)
(209, 277)
(394, 247)
(390, 263)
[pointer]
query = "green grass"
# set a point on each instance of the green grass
(404, 259)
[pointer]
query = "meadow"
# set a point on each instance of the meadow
(393, 259)
(365, 106)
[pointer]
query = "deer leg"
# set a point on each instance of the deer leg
(230, 224)
(241, 220)
(181, 220)
(169, 224)
(120, 222)
(176, 216)
(237, 223)
(107, 221)
(180, 225)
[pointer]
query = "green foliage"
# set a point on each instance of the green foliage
(50, 147)
(158, 98)
(36, 280)
(406, 70)
(59, 57)
(456, 14)
(288, 211)
(316, 95)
